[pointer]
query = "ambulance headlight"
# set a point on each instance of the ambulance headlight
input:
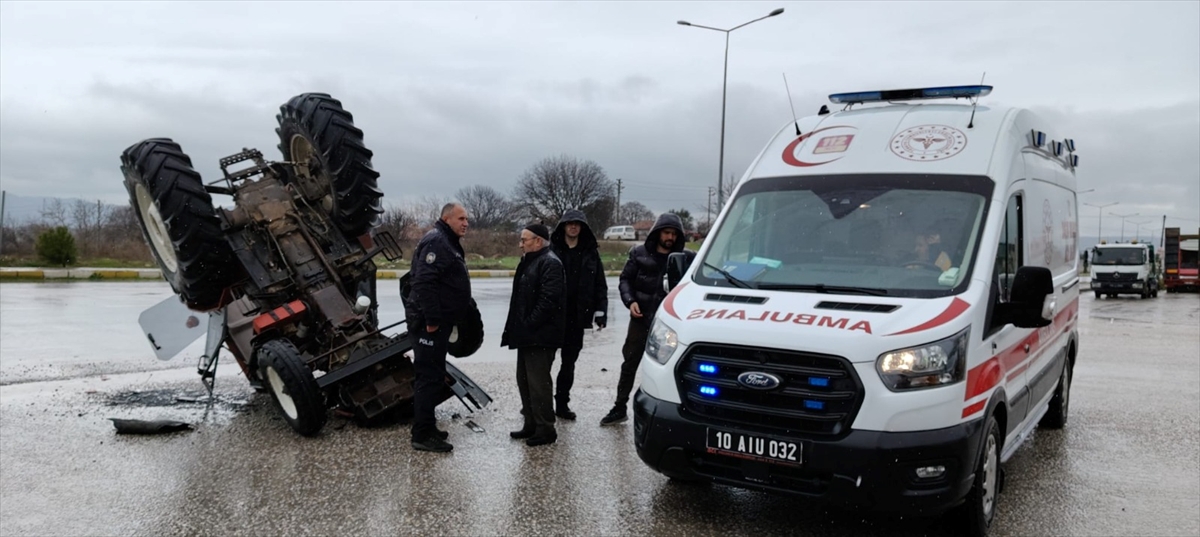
(662, 342)
(935, 364)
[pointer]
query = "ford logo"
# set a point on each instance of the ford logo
(759, 381)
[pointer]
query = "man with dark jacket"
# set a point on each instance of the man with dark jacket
(535, 329)
(440, 296)
(586, 297)
(642, 291)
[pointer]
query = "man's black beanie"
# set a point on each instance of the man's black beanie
(539, 230)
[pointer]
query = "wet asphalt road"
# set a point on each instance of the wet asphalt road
(1128, 463)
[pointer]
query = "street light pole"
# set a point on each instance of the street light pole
(1138, 231)
(1123, 217)
(1099, 231)
(725, 90)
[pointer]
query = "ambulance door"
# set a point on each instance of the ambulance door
(1009, 345)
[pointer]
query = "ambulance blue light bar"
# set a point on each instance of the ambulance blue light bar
(708, 369)
(944, 92)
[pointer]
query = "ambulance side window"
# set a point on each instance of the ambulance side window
(1009, 256)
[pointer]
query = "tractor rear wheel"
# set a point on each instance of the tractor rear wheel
(179, 222)
(319, 137)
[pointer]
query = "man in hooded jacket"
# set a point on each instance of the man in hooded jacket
(642, 292)
(587, 296)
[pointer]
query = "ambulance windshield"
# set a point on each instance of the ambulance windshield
(894, 235)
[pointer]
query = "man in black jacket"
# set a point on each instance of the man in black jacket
(642, 291)
(535, 329)
(440, 296)
(586, 297)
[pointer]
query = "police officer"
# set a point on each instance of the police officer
(440, 296)
(586, 294)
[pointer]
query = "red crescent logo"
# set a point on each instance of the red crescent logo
(669, 303)
(956, 308)
(789, 152)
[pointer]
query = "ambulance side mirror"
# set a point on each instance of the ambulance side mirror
(1026, 305)
(677, 265)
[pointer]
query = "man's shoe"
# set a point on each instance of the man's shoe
(441, 434)
(564, 412)
(433, 444)
(542, 438)
(616, 415)
(526, 431)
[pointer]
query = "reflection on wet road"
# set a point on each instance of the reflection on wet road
(1128, 463)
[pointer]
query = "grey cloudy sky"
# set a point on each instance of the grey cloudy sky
(456, 94)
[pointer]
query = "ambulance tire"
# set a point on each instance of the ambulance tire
(979, 509)
(1058, 413)
(292, 386)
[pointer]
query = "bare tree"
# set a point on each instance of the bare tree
(635, 211)
(599, 214)
(54, 213)
(89, 220)
(726, 193)
(122, 224)
(488, 208)
(398, 220)
(428, 210)
(556, 184)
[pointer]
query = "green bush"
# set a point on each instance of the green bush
(57, 246)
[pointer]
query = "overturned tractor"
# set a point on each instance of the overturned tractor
(287, 276)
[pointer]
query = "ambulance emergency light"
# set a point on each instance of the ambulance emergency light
(943, 92)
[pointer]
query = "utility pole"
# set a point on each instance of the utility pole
(618, 209)
(708, 216)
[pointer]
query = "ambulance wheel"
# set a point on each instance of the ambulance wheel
(980, 507)
(293, 388)
(1056, 416)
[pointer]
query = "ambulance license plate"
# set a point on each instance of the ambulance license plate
(754, 448)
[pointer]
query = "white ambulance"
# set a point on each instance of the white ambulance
(884, 310)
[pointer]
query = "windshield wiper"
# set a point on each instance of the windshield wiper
(822, 288)
(729, 277)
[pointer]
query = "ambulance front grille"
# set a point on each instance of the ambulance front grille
(816, 395)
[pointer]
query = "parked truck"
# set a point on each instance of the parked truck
(1124, 268)
(1181, 262)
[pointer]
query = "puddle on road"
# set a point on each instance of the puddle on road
(175, 398)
